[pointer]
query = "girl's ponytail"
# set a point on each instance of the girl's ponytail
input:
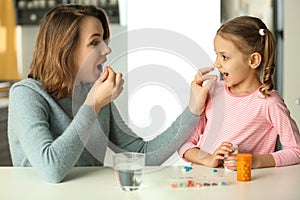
(269, 63)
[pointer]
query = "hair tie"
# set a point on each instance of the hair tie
(262, 32)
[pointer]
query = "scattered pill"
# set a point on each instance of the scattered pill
(182, 185)
(190, 183)
(187, 168)
(198, 185)
(223, 183)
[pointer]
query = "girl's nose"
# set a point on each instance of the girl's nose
(216, 63)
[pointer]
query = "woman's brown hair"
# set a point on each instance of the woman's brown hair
(249, 35)
(53, 56)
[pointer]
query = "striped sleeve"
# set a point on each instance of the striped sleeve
(287, 130)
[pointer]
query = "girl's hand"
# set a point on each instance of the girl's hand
(107, 88)
(219, 155)
(230, 159)
(199, 91)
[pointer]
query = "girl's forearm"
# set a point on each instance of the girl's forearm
(262, 161)
(196, 156)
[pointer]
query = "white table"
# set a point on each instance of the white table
(86, 183)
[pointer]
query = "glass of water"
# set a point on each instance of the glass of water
(129, 167)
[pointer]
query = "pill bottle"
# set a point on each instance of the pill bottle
(244, 165)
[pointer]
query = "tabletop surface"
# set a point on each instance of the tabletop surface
(100, 183)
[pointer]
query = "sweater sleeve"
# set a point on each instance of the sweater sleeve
(287, 130)
(158, 149)
(28, 127)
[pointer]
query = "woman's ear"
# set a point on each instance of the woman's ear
(255, 60)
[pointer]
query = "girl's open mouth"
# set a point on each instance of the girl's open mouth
(224, 75)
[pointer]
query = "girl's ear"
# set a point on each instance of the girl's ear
(255, 60)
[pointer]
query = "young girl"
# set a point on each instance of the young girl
(63, 116)
(244, 109)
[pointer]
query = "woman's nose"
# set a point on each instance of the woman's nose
(105, 49)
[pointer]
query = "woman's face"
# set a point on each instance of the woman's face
(91, 50)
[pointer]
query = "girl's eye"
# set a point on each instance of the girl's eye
(225, 57)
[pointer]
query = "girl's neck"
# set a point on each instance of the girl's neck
(245, 88)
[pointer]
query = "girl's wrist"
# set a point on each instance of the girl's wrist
(204, 158)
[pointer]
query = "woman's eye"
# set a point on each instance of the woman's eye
(95, 43)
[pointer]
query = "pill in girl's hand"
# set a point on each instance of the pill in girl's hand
(234, 147)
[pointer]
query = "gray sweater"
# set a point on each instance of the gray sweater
(54, 135)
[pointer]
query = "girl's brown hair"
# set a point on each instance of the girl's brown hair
(53, 56)
(249, 35)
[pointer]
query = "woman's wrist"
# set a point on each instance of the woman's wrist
(93, 106)
(195, 111)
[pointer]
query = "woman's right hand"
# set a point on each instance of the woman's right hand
(107, 88)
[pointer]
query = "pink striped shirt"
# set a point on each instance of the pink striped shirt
(250, 121)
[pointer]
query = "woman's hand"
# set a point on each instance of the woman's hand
(107, 88)
(199, 91)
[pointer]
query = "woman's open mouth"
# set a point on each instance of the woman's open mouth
(100, 67)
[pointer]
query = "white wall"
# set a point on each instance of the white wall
(161, 39)
(291, 69)
(26, 36)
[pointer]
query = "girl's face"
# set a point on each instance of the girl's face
(91, 51)
(234, 67)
